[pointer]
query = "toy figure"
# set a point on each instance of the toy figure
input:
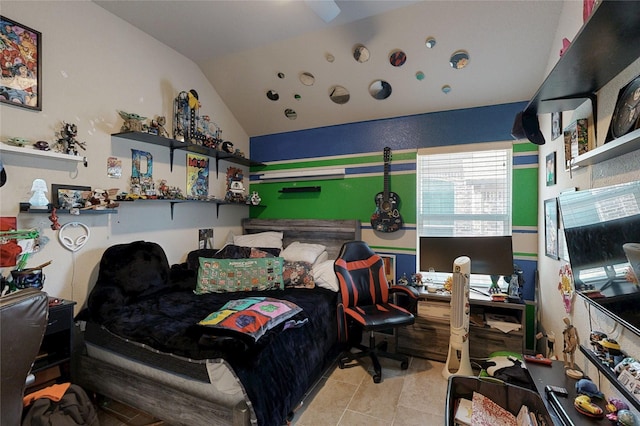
(67, 140)
(570, 343)
(132, 122)
(39, 199)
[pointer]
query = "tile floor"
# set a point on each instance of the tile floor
(348, 397)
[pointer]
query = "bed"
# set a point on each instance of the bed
(154, 350)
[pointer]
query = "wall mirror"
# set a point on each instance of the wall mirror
(459, 59)
(597, 224)
(339, 95)
(360, 53)
(380, 89)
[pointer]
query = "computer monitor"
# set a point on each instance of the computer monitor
(489, 255)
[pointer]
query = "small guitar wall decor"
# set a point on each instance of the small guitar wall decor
(386, 217)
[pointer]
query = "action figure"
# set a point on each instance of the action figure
(571, 343)
(68, 140)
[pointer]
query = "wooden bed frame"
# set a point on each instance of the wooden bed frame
(179, 407)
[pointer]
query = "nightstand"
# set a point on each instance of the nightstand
(53, 363)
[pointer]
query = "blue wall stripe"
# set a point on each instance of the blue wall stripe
(527, 159)
(443, 128)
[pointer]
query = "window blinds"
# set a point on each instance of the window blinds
(464, 193)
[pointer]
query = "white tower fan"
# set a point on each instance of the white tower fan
(458, 362)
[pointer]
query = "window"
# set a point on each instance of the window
(464, 191)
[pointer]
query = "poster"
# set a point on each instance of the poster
(197, 176)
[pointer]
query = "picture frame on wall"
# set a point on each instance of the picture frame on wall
(550, 165)
(389, 262)
(21, 83)
(66, 197)
(551, 228)
(556, 125)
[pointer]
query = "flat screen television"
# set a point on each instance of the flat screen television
(489, 255)
(597, 223)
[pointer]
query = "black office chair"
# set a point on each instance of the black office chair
(23, 321)
(365, 303)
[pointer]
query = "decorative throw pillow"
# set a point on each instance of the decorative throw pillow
(325, 277)
(271, 239)
(229, 275)
(302, 252)
(297, 275)
(250, 317)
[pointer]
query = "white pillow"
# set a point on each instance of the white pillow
(325, 277)
(323, 256)
(268, 239)
(302, 252)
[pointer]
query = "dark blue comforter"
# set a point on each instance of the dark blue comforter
(276, 372)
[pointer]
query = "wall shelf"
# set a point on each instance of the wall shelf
(26, 208)
(173, 202)
(174, 144)
(617, 147)
(6, 148)
(610, 375)
(605, 45)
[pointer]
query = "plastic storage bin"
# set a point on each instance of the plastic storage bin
(510, 397)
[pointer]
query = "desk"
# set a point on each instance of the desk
(543, 375)
(429, 336)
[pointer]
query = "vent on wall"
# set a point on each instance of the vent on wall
(303, 174)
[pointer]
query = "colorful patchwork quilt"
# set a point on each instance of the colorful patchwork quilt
(251, 316)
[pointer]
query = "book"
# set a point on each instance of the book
(463, 412)
(576, 140)
(485, 412)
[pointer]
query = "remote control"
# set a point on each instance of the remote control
(556, 389)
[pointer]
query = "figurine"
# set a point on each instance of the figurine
(255, 198)
(571, 343)
(67, 140)
(132, 122)
(18, 141)
(39, 199)
(55, 225)
(157, 127)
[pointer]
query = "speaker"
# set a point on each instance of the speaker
(527, 126)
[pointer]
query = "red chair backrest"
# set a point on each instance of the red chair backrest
(361, 275)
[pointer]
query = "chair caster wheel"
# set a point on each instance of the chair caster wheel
(404, 365)
(341, 364)
(377, 378)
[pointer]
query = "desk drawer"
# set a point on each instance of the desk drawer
(60, 319)
(434, 311)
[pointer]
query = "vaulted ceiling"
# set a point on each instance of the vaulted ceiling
(248, 48)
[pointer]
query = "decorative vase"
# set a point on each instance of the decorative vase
(255, 198)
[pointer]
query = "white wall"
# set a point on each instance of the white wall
(617, 170)
(94, 64)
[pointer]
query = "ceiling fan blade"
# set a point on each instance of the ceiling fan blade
(326, 9)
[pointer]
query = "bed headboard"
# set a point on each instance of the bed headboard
(330, 233)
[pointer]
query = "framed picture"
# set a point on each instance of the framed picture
(21, 80)
(551, 169)
(68, 197)
(556, 125)
(551, 228)
(389, 261)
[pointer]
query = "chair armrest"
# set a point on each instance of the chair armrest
(406, 296)
(404, 289)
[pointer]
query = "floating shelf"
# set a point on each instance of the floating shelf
(605, 45)
(38, 153)
(174, 144)
(26, 208)
(294, 189)
(617, 147)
